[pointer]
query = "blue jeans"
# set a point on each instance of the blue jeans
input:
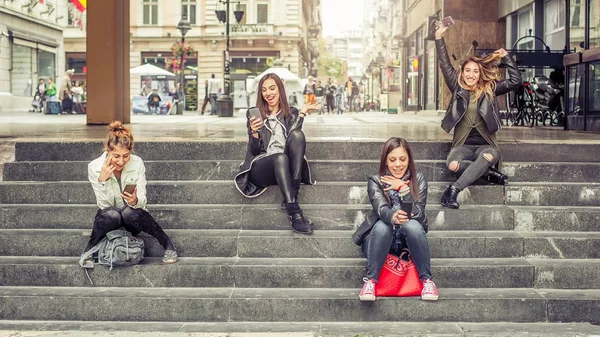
(213, 104)
(378, 242)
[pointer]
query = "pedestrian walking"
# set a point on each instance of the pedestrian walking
(206, 98)
(213, 90)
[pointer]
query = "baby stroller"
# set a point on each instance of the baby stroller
(38, 102)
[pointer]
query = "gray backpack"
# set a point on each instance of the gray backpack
(118, 248)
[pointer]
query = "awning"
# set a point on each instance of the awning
(28, 38)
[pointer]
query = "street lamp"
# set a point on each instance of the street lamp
(225, 102)
(184, 27)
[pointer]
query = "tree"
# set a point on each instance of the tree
(328, 64)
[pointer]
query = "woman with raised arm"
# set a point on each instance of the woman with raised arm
(398, 194)
(473, 113)
(109, 174)
(276, 147)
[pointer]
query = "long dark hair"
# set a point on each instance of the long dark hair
(262, 104)
(389, 146)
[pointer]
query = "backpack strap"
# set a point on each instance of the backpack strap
(90, 252)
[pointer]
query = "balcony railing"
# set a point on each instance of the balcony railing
(253, 29)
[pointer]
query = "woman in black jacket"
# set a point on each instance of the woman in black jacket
(276, 147)
(473, 113)
(376, 234)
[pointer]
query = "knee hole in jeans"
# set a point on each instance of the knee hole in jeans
(454, 166)
(489, 157)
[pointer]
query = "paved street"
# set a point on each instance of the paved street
(423, 126)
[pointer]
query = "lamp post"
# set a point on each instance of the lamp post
(184, 27)
(225, 102)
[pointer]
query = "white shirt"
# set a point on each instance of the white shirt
(213, 86)
(108, 193)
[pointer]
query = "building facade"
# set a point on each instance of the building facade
(31, 47)
(269, 30)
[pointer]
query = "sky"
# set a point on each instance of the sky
(338, 15)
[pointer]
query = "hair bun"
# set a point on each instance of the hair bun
(116, 126)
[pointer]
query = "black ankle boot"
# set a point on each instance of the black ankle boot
(449, 197)
(295, 192)
(497, 177)
(297, 220)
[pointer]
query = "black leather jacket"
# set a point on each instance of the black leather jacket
(460, 96)
(382, 210)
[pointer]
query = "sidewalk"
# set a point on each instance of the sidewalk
(373, 126)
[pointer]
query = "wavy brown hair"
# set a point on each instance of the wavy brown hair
(118, 135)
(389, 146)
(262, 104)
(488, 75)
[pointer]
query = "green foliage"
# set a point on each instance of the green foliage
(328, 64)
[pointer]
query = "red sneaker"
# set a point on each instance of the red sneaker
(367, 293)
(429, 292)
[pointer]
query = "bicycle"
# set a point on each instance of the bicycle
(521, 106)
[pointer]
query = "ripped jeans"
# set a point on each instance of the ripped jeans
(471, 162)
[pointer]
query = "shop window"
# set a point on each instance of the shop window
(554, 24)
(22, 72)
(430, 73)
(594, 23)
(76, 61)
(262, 13)
(594, 89)
(150, 12)
(575, 103)
(577, 25)
(188, 9)
(46, 64)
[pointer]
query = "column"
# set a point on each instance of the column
(107, 60)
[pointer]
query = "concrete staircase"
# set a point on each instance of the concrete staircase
(527, 252)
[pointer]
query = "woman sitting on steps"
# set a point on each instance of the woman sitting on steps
(116, 168)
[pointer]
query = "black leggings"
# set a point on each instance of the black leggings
(283, 169)
(134, 220)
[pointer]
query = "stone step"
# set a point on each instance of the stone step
(356, 149)
(266, 273)
(224, 192)
(329, 217)
(323, 244)
(294, 305)
(56, 271)
(322, 170)
(295, 329)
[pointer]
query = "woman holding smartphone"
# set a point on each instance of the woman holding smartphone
(394, 190)
(118, 178)
(276, 147)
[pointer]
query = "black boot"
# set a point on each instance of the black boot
(295, 192)
(449, 197)
(497, 177)
(297, 220)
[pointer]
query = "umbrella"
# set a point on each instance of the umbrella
(293, 84)
(149, 70)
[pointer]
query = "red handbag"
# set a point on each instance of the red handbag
(398, 277)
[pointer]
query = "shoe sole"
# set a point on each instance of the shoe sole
(367, 298)
(429, 298)
(169, 261)
(305, 233)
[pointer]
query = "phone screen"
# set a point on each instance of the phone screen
(448, 21)
(129, 188)
(254, 112)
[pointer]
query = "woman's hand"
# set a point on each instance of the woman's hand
(501, 52)
(255, 125)
(394, 183)
(400, 217)
(107, 169)
(440, 30)
(309, 108)
(130, 198)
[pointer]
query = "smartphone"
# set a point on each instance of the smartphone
(447, 21)
(129, 188)
(254, 112)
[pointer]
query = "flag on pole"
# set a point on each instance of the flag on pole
(81, 5)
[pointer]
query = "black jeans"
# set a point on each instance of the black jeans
(378, 242)
(471, 163)
(283, 169)
(134, 220)
(329, 101)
